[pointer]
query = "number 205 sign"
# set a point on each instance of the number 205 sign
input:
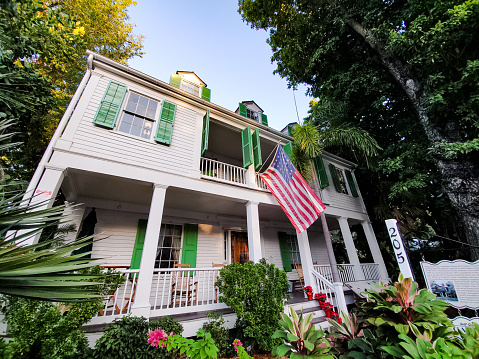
(399, 249)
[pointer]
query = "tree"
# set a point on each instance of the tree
(412, 64)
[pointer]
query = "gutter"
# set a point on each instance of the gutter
(59, 131)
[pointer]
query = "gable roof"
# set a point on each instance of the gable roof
(191, 74)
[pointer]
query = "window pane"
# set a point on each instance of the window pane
(125, 127)
(128, 118)
(169, 246)
(143, 101)
(135, 130)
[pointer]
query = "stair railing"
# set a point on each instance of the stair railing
(334, 292)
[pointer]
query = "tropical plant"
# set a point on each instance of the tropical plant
(300, 338)
(257, 293)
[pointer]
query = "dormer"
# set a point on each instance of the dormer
(191, 83)
(251, 110)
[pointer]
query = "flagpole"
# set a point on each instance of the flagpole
(329, 248)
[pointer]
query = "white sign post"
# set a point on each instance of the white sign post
(399, 249)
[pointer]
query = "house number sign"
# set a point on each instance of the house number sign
(399, 249)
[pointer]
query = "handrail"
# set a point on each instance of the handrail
(325, 286)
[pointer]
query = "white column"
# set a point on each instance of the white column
(306, 260)
(350, 248)
(374, 248)
(250, 176)
(254, 235)
(45, 193)
(142, 306)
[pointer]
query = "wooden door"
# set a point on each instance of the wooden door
(239, 247)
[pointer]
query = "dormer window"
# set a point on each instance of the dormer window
(252, 115)
(190, 82)
(190, 87)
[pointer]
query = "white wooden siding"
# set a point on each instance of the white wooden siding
(271, 250)
(210, 245)
(92, 140)
(318, 247)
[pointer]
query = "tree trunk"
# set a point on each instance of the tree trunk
(460, 176)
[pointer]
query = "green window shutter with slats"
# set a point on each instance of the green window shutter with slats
(352, 184)
(288, 148)
(138, 247)
(206, 94)
(175, 80)
(258, 161)
(334, 176)
(264, 119)
(165, 123)
(284, 248)
(109, 108)
(190, 244)
(246, 143)
(242, 109)
(290, 130)
(321, 172)
(205, 132)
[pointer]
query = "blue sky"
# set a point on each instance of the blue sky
(210, 38)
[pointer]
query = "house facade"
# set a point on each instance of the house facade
(167, 177)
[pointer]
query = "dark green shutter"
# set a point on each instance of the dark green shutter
(288, 148)
(334, 176)
(165, 123)
(205, 132)
(242, 109)
(284, 248)
(138, 247)
(246, 143)
(321, 172)
(290, 130)
(351, 183)
(190, 244)
(264, 119)
(258, 161)
(206, 94)
(175, 80)
(109, 108)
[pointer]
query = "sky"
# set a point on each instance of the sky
(210, 38)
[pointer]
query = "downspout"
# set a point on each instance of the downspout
(59, 131)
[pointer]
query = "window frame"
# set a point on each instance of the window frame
(293, 251)
(180, 252)
(343, 181)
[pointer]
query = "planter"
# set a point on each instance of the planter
(310, 295)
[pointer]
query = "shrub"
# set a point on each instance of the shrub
(219, 333)
(125, 338)
(257, 293)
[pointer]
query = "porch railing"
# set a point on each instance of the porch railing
(222, 171)
(184, 288)
(370, 271)
(120, 301)
(346, 272)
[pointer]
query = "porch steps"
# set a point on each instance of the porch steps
(310, 306)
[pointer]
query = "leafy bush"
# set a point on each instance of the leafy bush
(42, 329)
(257, 293)
(219, 333)
(125, 338)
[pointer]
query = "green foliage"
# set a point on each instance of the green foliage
(300, 338)
(202, 348)
(218, 333)
(41, 329)
(257, 293)
(126, 338)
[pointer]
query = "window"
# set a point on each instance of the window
(292, 241)
(251, 114)
(342, 181)
(139, 115)
(190, 87)
(169, 246)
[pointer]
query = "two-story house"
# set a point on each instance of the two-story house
(167, 177)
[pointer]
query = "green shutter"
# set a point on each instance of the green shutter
(109, 108)
(264, 119)
(258, 161)
(334, 176)
(206, 94)
(190, 244)
(242, 109)
(351, 183)
(165, 123)
(321, 172)
(206, 131)
(138, 247)
(284, 248)
(246, 143)
(175, 80)
(290, 130)
(288, 148)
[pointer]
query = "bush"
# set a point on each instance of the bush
(257, 293)
(126, 338)
(219, 334)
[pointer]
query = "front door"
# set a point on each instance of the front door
(239, 247)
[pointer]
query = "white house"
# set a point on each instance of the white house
(173, 180)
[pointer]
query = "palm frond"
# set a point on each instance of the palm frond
(308, 139)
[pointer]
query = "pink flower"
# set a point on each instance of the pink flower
(156, 336)
(237, 343)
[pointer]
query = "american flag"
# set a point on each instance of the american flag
(299, 202)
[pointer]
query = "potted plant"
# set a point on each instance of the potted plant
(309, 292)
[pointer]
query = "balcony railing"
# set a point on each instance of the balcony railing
(222, 172)
(260, 183)
(370, 271)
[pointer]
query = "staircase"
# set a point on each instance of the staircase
(311, 306)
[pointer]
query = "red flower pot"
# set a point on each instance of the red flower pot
(310, 295)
